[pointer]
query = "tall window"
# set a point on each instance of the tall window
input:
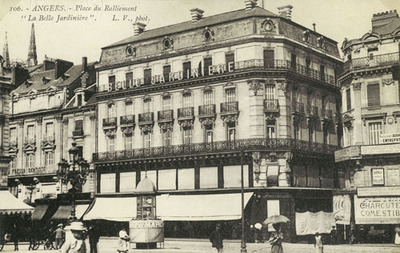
(49, 129)
(269, 58)
(167, 137)
(166, 71)
(187, 135)
(208, 97)
(308, 66)
(230, 94)
(147, 140)
(13, 135)
(111, 82)
(129, 79)
(30, 132)
(147, 105)
(322, 72)
(128, 107)
(187, 70)
(375, 130)
(311, 131)
(209, 134)
(349, 135)
(293, 61)
(269, 91)
(147, 76)
(207, 64)
(166, 103)
(111, 144)
(49, 158)
(13, 162)
(30, 160)
(78, 125)
(128, 142)
(230, 60)
(326, 134)
(348, 99)
(111, 110)
(187, 100)
(231, 132)
(373, 94)
(297, 131)
(271, 133)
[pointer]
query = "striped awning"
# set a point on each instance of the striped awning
(11, 205)
(64, 212)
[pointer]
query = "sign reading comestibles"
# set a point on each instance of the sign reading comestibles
(377, 210)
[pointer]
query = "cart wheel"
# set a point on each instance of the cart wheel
(35, 245)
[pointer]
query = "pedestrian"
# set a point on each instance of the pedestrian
(333, 235)
(76, 243)
(93, 238)
(15, 237)
(318, 243)
(123, 242)
(59, 235)
(397, 236)
(276, 239)
(216, 239)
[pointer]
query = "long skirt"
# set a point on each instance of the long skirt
(123, 245)
(277, 248)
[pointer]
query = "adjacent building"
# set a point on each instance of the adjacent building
(191, 105)
(368, 163)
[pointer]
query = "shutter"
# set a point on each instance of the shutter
(373, 94)
(147, 76)
(111, 80)
(230, 58)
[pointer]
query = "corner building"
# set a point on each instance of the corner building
(188, 104)
(368, 163)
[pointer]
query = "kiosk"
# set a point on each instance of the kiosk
(146, 230)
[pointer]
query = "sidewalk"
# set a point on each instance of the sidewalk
(109, 245)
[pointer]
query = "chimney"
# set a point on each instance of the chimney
(314, 27)
(383, 18)
(286, 11)
(250, 4)
(138, 28)
(61, 67)
(84, 64)
(197, 14)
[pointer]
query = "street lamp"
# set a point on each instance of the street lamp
(31, 186)
(74, 172)
(243, 248)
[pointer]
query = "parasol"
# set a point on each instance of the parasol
(275, 219)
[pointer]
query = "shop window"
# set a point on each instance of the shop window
(127, 181)
(186, 179)
(208, 177)
(232, 176)
(107, 183)
(272, 175)
(167, 179)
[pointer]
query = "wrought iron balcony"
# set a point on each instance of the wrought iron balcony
(165, 115)
(271, 105)
(207, 111)
(297, 107)
(146, 118)
(312, 111)
(78, 132)
(185, 113)
(127, 120)
(230, 107)
(110, 122)
(375, 60)
(216, 147)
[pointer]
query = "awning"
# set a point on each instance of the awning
(112, 208)
(63, 212)
(11, 205)
(40, 211)
(210, 207)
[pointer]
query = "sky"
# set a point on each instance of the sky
(57, 36)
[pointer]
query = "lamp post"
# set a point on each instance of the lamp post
(74, 172)
(243, 239)
(31, 186)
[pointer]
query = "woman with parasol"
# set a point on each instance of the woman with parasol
(277, 236)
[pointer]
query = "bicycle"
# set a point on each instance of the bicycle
(47, 244)
(3, 240)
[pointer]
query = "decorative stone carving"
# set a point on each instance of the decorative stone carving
(65, 121)
(268, 25)
(165, 126)
(255, 85)
(128, 130)
(283, 86)
(93, 117)
(186, 123)
(110, 133)
(39, 119)
(357, 86)
(84, 78)
(387, 82)
(148, 128)
(207, 121)
(231, 118)
(208, 34)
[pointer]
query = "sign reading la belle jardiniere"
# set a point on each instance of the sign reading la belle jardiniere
(377, 210)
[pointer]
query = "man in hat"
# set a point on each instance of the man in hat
(216, 239)
(76, 244)
(59, 235)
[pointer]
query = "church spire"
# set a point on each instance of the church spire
(6, 54)
(32, 56)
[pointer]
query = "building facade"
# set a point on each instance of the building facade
(369, 172)
(192, 104)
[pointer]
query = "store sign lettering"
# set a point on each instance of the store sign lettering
(174, 76)
(377, 210)
(28, 171)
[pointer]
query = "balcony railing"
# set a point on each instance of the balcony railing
(110, 122)
(146, 118)
(32, 171)
(127, 120)
(207, 110)
(240, 66)
(376, 60)
(298, 107)
(187, 112)
(216, 147)
(271, 105)
(165, 115)
(230, 107)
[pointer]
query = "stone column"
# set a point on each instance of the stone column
(256, 109)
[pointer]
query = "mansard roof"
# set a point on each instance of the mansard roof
(203, 22)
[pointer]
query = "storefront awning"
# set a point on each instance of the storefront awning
(64, 212)
(112, 208)
(11, 205)
(208, 207)
(40, 211)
